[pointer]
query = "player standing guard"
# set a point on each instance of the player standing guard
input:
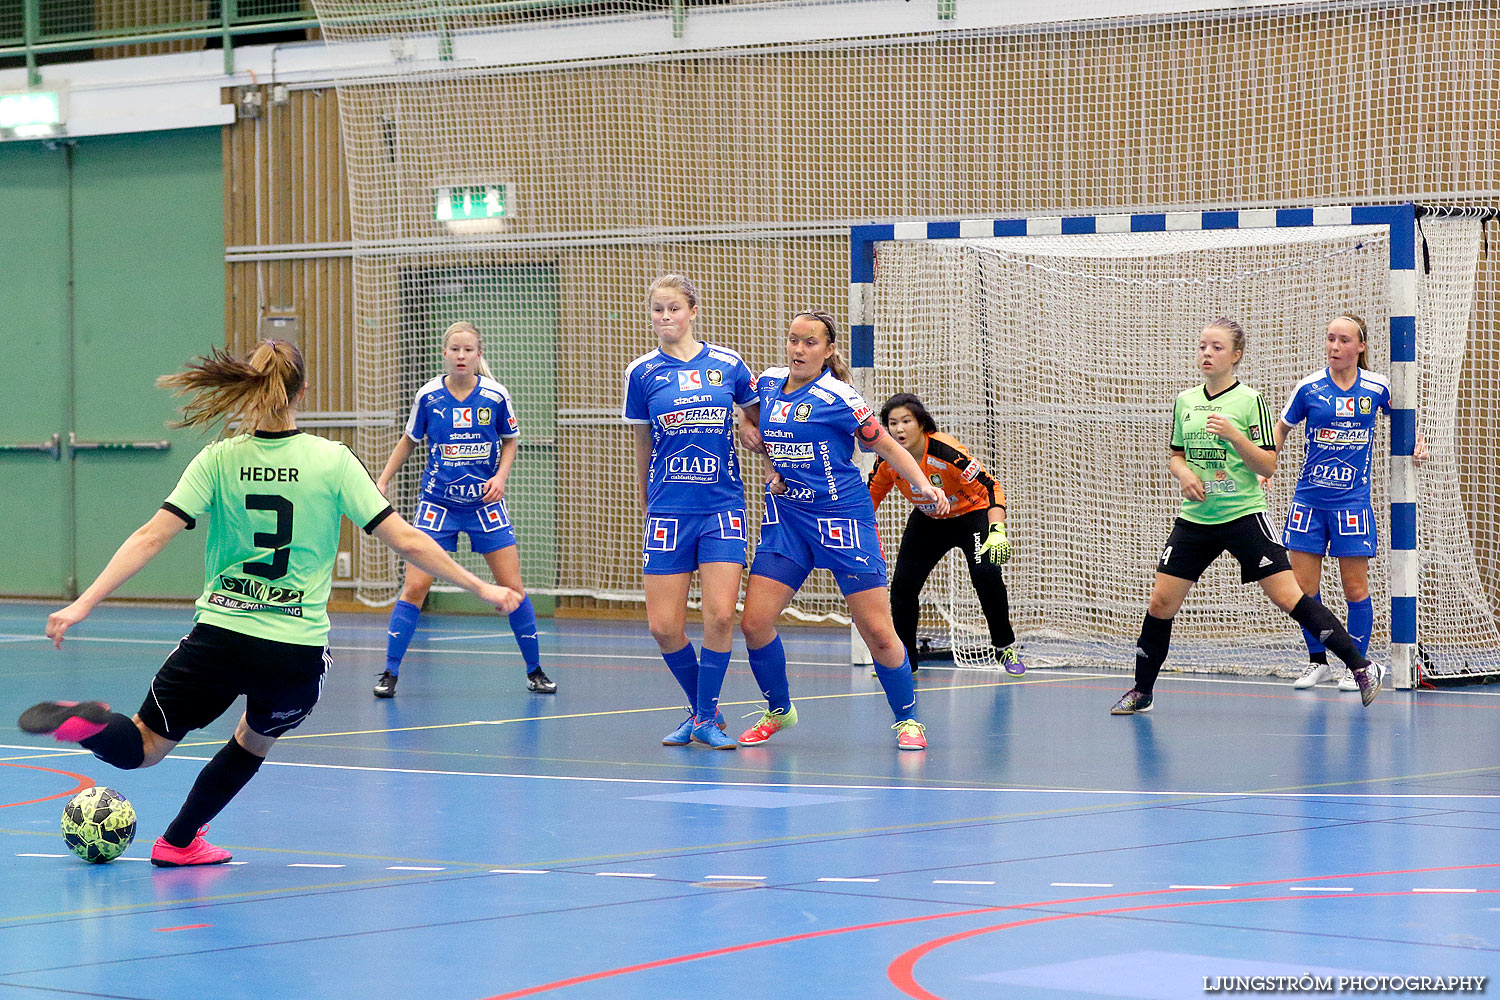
(274, 497)
(1330, 512)
(1221, 442)
(679, 401)
(469, 423)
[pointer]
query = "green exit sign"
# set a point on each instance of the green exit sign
(473, 202)
(31, 115)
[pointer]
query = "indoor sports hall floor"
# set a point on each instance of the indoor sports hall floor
(470, 840)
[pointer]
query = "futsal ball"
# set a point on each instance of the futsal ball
(98, 824)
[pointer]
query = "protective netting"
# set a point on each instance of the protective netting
(1057, 359)
(645, 148)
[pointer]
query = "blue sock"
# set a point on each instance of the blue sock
(1314, 645)
(1361, 623)
(768, 664)
(398, 634)
(900, 689)
(684, 667)
(523, 625)
(711, 673)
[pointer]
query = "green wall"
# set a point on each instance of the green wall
(147, 262)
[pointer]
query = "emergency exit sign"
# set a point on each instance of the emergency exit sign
(473, 202)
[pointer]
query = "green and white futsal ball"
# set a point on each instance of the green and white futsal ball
(98, 824)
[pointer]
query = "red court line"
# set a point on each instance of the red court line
(906, 921)
(83, 782)
(184, 927)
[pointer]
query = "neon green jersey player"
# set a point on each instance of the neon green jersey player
(274, 498)
(1221, 441)
(1231, 489)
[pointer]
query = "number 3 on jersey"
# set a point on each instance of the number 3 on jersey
(279, 540)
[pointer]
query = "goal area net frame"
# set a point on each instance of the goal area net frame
(1400, 574)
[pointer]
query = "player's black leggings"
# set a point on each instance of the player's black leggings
(926, 541)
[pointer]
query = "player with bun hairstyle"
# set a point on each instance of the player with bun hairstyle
(679, 402)
(819, 514)
(469, 423)
(1330, 512)
(1221, 446)
(975, 525)
(274, 497)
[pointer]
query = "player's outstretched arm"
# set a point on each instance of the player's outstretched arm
(129, 559)
(873, 436)
(418, 548)
(399, 455)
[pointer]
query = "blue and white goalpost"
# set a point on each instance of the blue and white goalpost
(1054, 346)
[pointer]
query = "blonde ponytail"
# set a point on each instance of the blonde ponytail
(256, 392)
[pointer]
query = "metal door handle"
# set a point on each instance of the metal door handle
(52, 447)
(76, 445)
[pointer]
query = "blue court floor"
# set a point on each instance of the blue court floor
(470, 840)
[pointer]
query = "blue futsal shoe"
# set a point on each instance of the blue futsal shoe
(712, 736)
(682, 735)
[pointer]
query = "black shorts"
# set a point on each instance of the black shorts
(213, 666)
(1191, 547)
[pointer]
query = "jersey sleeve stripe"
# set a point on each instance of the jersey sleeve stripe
(375, 521)
(172, 508)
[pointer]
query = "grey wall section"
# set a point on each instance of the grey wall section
(147, 265)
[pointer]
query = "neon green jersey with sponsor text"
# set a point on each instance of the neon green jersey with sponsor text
(1230, 488)
(274, 502)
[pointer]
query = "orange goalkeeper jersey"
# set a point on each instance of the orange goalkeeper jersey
(951, 469)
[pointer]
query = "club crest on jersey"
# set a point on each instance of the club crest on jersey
(485, 416)
(1365, 404)
(715, 376)
(463, 416)
(779, 412)
(689, 380)
(803, 411)
(935, 480)
(1343, 406)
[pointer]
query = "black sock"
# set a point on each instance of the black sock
(1321, 656)
(118, 743)
(220, 780)
(1151, 651)
(1318, 620)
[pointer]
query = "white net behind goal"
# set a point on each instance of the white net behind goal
(1057, 361)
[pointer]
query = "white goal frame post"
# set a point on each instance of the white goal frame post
(1400, 220)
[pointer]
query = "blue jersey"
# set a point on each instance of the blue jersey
(1340, 431)
(690, 407)
(463, 438)
(809, 436)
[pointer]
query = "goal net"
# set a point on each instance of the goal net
(1056, 359)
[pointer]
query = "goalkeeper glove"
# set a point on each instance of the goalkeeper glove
(996, 546)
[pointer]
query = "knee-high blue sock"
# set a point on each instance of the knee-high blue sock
(900, 689)
(1315, 647)
(684, 667)
(398, 634)
(768, 664)
(712, 667)
(523, 626)
(1361, 623)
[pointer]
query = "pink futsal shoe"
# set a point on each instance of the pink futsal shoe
(199, 852)
(66, 721)
(910, 735)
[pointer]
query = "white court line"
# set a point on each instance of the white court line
(1445, 890)
(41, 855)
(482, 635)
(1083, 885)
(1382, 796)
(1200, 887)
(414, 868)
(626, 874)
(961, 881)
(520, 871)
(848, 880)
(1319, 888)
(306, 864)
